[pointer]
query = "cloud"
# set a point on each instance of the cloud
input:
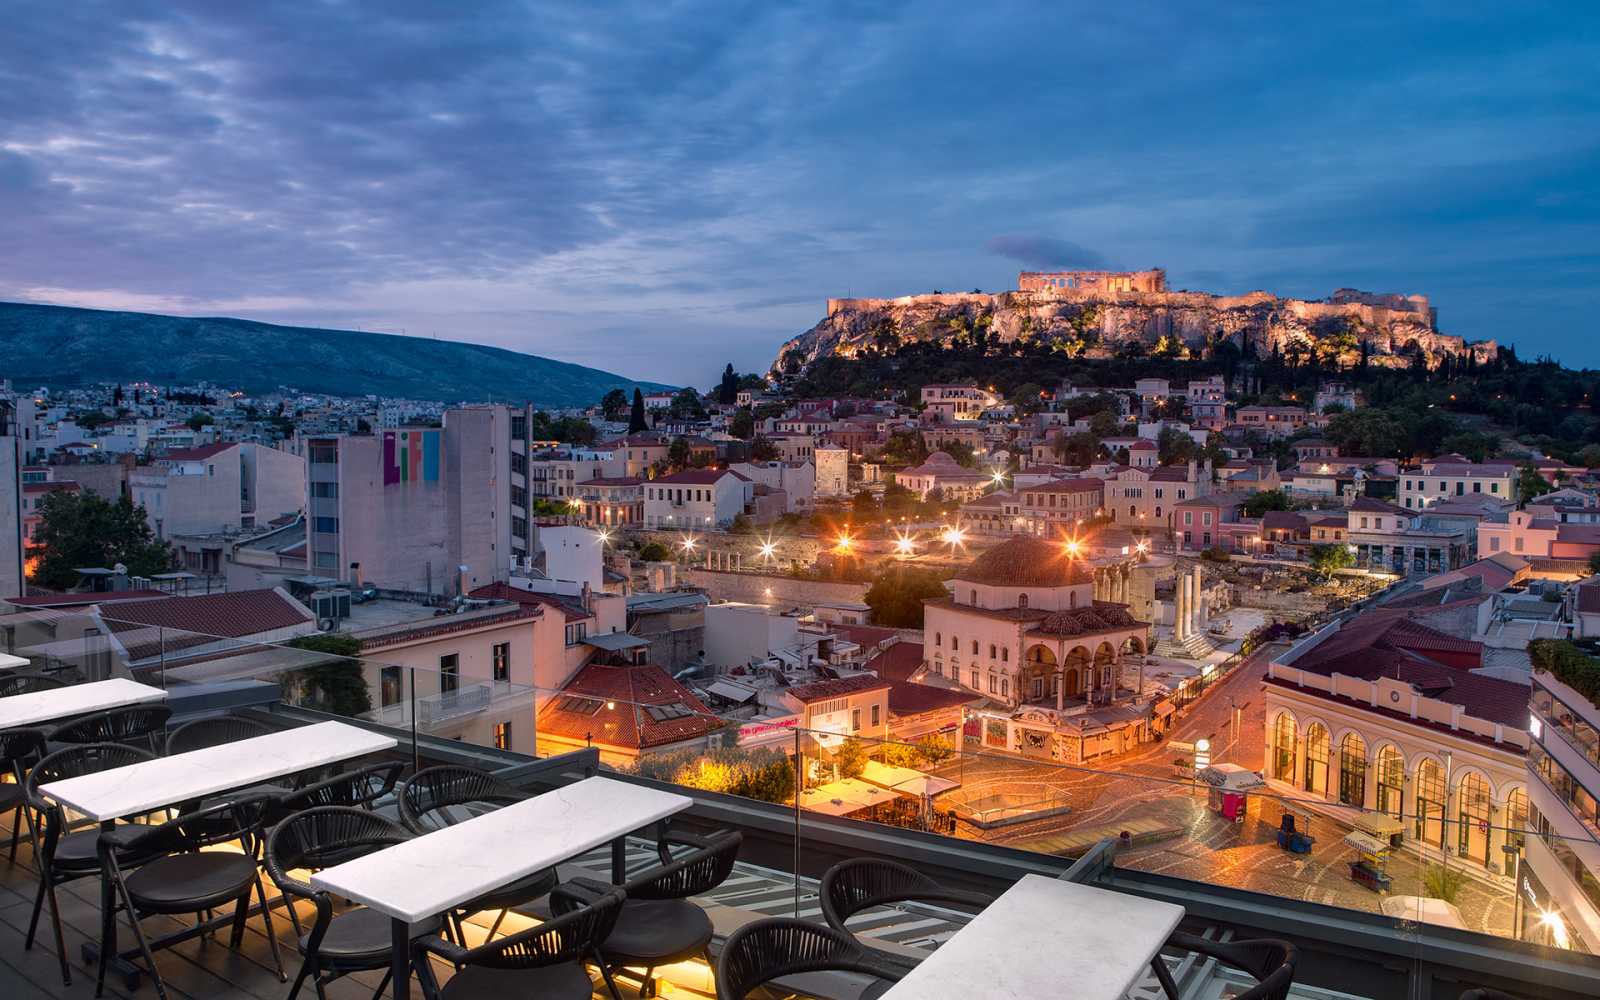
(1044, 253)
(668, 187)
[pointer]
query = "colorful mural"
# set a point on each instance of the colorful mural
(411, 456)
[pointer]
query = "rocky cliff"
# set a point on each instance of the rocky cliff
(1103, 323)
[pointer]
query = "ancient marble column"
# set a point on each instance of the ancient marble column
(1179, 606)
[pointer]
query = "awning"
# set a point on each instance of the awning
(926, 784)
(615, 642)
(1423, 909)
(1164, 709)
(1230, 777)
(1378, 824)
(1364, 843)
(731, 691)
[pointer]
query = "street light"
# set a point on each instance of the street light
(905, 545)
(768, 549)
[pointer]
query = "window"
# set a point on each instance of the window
(876, 714)
(973, 681)
(1188, 517)
(1022, 600)
(974, 647)
(502, 736)
(855, 720)
(955, 643)
(501, 654)
(576, 633)
(1005, 654)
(1352, 770)
(449, 673)
(1005, 687)
(390, 690)
(938, 640)
(325, 491)
(1494, 487)
(325, 525)
(994, 684)
(992, 652)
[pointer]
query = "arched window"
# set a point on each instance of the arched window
(1317, 759)
(1391, 781)
(1473, 826)
(1005, 687)
(1005, 654)
(938, 640)
(955, 643)
(1353, 770)
(1283, 737)
(1516, 816)
(974, 647)
(1072, 598)
(992, 652)
(1022, 600)
(1430, 803)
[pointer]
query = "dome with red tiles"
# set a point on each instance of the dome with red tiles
(1027, 561)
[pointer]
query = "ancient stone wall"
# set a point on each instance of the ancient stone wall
(1154, 280)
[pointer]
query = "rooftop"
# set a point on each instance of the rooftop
(1026, 561)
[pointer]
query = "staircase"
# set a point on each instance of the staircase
(1195, 647)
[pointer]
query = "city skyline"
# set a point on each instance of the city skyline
(651, 192)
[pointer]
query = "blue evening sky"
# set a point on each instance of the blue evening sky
(659, 188)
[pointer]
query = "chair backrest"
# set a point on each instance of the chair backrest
(20, 748)
(1270, 960)
(570, 937)
(237, 820)
(862, 883)
(430, 800)
(213, 732)
(362, 786)
(325, 836)
(89, 758)
(132, 722)
(28, 683)
(764, 950)
(697, 872)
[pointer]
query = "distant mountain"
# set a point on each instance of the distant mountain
(58, 345)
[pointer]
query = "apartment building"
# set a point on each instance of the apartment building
(1453, 476)
(832, 472)
(219, 488)
(11, 537)
(952, 402)
(1560, 874)
(697, 499)
(797, 480)
(638, 453)
(423, 509)
(1061, 503)
(1145, 498)
(1533, 534)
(1208, 403)
(555, 474)
(616, 501)
(1273, 421)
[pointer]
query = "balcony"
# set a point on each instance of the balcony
(446, 706)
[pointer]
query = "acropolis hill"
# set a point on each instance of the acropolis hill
(1096, 313)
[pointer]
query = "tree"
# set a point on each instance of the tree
(1105, 423)
(850, 759)
(728, 388)
(864, 505)
(743, 424)
(1329, 559)
(678, 453)
(762, 449)
(1589, 456)
(1027, 397)
(614, 404)
(1081, 448)
(1594, 563)
(199, 420)
(896, 596)
(337, 684)
(86, 530)
(1257, 504)
(636, 424)
(1530, 484)
(686, 405)
(1175, 446)
(655, 552)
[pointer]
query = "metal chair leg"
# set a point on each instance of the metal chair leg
(138, 934)
(38, 906)
(272, 935)
(61, 941)
(300, 979)
(496, 925)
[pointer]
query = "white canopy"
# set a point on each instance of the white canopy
(1230, 777)
(1365, 843)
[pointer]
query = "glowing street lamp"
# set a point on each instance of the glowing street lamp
(688, 544)
(1143, 546)
(603, 536)
(768, 550)
(1073, 547)
(905, 545)
(953, 537)
(844, 543)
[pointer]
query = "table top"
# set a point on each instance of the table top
(9, 662)
(150, 785)
(1046, 937)
(77, 699)
(443, 869)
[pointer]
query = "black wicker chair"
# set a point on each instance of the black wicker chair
(363, 786)
(213, 732)
(545, 961)
(764, 950)
(176, 875)
(1270, 961)
(28, 684)
(67, 852)
(20, 749)
(355, 940)
(862, 883)
(658, 924)
(133, 724)
(437, 797)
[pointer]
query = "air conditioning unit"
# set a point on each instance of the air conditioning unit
(330, 604)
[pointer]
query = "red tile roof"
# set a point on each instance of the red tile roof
(837, 688)
(234, 614)
(79, 600)
(65, 485)
(698, 477)
(1589, 598)
(612, 705)
(1082, 485)
(1102, 618)
(614, 481)
(1026, 561)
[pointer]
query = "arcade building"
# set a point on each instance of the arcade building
(1044, 637)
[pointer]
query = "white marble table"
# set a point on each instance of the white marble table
(78, 699)
(439, 871)
(9, 662)
(151, 785)
(1046, 937)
